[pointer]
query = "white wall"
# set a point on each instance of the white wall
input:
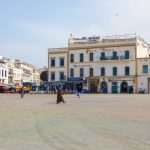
(57, 69)
(143, 78)
(142, 49)
(3, 78)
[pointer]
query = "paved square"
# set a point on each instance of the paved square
(93, 122)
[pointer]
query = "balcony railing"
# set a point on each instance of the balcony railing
(114, 58)
(11, 74)
(124, 57)
(109, 58)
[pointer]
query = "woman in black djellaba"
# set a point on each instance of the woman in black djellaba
(59, 96)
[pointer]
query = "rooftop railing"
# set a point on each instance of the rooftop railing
(106, 39)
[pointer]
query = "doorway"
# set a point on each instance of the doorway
(104, 87)
(93, 87)
(114, 88)
(124, 87)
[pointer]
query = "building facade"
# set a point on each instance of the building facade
(3, 70)
(116, 64)
(14, 73)
(29, 73)
(17, 72)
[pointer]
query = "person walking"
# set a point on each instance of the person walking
(22, 92)
(79, 89)
(59, 96)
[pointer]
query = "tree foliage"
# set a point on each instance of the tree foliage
(44, 76)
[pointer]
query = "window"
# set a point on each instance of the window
(91, 72)
(81, 72)
(103, 54)
(81, 57)
(5, 73)
(145, 69)
(62, 77)
(114, 71)
(62, 62)
(115, 55)
(71, 57)
(53, 76)
(71, 73)
(126, 54)
(52, 62)
(91, 57)
(102, 71)
(2, 73)
(127, 71)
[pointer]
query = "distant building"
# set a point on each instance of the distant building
(29, 72)
(112, 64)
(14, 73)
(17, 72)
(3, 70)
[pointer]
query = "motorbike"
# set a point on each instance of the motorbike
(141, 91)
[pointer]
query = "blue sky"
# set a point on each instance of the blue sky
(29, 27)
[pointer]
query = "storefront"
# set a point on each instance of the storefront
(73, 83)
(116, 85)
(93, 85)
(55, 84)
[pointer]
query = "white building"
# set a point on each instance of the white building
(14, 73)
(58, 62)
(116, 64)
(17, 72)
(3, 70)
(29, 73)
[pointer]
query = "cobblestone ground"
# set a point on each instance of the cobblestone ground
(93, 122)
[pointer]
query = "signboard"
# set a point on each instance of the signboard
(55, 84)
(75, 79)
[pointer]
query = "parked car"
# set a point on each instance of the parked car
(18, 88)
(11, 89)
(4, 88)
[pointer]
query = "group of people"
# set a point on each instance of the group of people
(59, 94)
(60, 97)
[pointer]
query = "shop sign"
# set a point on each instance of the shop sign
(114, 79)
(75, 79)
(55, 84)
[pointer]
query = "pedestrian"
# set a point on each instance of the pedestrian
(50, 89)
(59, 96)
(55, 90)
(79, 89)
(22, 92)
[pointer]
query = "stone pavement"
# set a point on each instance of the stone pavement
(93, 122)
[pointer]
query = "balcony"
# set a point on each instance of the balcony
(124, 57)
(114, 58)
(11, 74)
(109, 58)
